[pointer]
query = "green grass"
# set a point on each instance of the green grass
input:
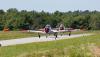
(78, 32)
(50, 48)
(15, 34)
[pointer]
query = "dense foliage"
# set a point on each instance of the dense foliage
(14, 19)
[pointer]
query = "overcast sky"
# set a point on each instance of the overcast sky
(51, 5)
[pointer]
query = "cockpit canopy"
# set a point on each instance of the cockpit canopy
(61, 27)
(47, 28)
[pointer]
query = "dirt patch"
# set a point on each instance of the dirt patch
(95, 51)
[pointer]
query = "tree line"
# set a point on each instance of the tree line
(16, 20)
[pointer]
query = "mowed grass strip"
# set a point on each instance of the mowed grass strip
(16, 34)
(24, 49)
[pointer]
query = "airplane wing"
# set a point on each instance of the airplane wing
(36, 31)
(59, 31)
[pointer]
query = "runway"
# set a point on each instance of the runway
(37, 39)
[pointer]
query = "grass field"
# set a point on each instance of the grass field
(15, 34)
(77, 47)
(19, 34)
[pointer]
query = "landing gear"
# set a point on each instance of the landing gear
(69, 33)
(39, 35)
(0, 45)
(56, 35)
(46, 36)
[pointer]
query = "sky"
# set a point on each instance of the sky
(51, 5)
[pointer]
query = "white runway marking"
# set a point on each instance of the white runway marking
(37, 39)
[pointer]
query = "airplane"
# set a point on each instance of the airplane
(48, 30)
